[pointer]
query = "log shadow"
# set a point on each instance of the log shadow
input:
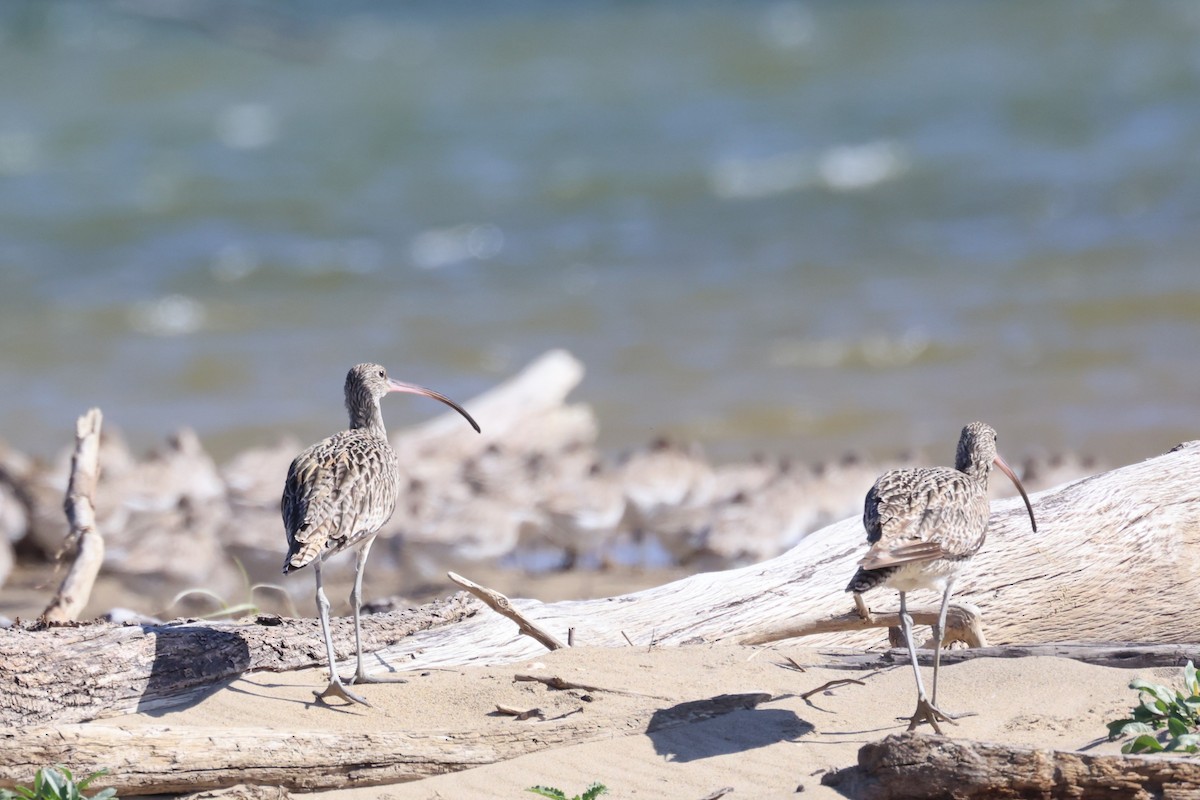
(734, 732)
(191, 662)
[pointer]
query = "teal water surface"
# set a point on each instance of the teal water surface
(782, 226)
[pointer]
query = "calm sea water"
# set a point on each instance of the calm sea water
(781, 226)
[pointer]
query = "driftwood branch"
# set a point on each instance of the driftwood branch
(919, 766)
(504, 607)
(84, 539)
(1109, 654)
(962, 625)
(163, 760)
(555, 682)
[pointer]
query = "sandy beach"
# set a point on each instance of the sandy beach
(780, 748)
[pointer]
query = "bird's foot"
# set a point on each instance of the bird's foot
(928, 712)
(337, 689)
(362, 677)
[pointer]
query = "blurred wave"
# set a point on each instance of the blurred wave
(803, 227)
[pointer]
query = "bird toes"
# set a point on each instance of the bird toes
(337, 689)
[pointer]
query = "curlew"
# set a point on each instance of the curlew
(339, 493)
(923, 525)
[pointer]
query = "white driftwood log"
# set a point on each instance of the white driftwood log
(1116, 558)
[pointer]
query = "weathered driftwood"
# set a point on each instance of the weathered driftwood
(1139, 524)
(500, 603)
(160, 759)
(963, 624)
(1127, 655)
(918, 766)
(1114, 559)
(77, 673)
(84, 538)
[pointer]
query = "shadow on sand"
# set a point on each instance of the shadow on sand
(733, 732)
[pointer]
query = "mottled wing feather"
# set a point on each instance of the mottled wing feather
(337, 492)
(923, 514)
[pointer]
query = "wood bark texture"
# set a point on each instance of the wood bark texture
(161, 759)
(80, 672)
(84, 538)
(924, 767)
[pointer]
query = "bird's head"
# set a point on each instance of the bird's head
(977, 453)
(366, 384)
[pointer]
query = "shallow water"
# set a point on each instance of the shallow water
(793, 227)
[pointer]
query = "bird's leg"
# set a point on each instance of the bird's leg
(939, 629)
(360, 674)
(926, 711)
(861, 606)
(335, 687)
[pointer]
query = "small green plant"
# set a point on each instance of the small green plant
(57, 783)
(1177, 710)
(233, 611)
(590, 793)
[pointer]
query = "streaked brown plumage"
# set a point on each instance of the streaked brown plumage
(340, 492)
(923, 525)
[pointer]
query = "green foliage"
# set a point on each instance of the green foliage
(590, 793)
(1176, 710)
(57, 783)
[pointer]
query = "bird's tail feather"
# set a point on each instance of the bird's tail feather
(866, 579)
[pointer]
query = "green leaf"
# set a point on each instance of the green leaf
(1148, 711)
(547, 791)
(1189, 742)
(594, 791)
(1116, 728)
(1132, 729)
(1175, 726)
(1143, 744)
(1191, 682)
(1163, 696)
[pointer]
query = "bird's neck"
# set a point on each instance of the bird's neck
(977, 471)
(366, 416)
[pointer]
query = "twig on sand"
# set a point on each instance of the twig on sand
(503, 606)
(555, 682)
(80, 507)
(831, 685)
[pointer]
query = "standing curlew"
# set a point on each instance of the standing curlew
(340, 492)
(923, 525)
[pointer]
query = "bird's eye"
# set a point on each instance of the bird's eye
(382, 374)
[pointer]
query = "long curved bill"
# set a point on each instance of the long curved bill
(1012, 476)
(412, 388)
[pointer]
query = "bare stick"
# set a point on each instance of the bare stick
(962, 624)
(503, 606)
(831, 685)
(555, 682)
(83, 537)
